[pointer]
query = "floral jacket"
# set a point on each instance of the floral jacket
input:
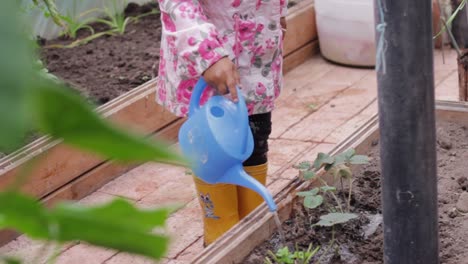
(197, 33)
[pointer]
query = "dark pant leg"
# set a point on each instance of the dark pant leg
(261, 130)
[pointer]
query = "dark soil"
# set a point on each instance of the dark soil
(109, 66)
(361, 240)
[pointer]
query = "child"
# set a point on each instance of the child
(230, 43)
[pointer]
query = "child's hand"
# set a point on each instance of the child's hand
(223, 76)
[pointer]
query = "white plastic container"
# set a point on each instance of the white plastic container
(346, 31)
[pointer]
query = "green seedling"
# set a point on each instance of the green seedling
(116, 21)
(284, 256)
(339, 167)
(74, 23)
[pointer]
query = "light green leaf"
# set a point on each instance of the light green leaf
(348, 154)
(359, 159)
(344, 157)
(117, 225)
(16, 72)
(332, 219)
(342, 170)
(64, 114)
(24, 214)
(308, 175)
(327, 189)
(305, 165)
(313, 202)
(322, 159)
(312, 192)
(8, 260)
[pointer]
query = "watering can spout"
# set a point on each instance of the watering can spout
(237, 176)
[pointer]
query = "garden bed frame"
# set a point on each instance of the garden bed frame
(237, 243)
(65, 173)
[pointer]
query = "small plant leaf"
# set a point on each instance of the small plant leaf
(305, 165)
(342, 170)
(332, 219)
(348, 154)
(308, 175)
(313, 202)
(327, 189)
(344, 157)
(359, 159)
(312, 192)
(323, 159)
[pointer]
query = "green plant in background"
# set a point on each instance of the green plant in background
(338, 167)
(74, 23)
(284, 256)
(50, 10)
(30, 102)
(116, 21)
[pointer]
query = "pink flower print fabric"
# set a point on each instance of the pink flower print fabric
(197, 33)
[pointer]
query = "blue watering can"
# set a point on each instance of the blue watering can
(217, 139)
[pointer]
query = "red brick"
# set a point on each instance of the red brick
(143, 180)
(184, 227)
(84, 253)
(125, 258)
(191, 252)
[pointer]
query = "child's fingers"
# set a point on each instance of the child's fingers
(232, 85)
(236, 76)
(222, 88)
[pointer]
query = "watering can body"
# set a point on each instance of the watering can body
(217, 139)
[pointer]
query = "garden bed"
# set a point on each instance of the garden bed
(361, 239)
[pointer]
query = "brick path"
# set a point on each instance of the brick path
(321, 105)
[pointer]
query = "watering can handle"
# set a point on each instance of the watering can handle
(198, 91)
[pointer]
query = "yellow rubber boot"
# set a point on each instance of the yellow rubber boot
(219, 206)
(248, 200)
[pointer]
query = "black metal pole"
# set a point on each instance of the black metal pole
(407, 130)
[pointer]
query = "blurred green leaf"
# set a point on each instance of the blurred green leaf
(332, 219)
(359, 159)
(313, 202)
(66, 115)
(23, 213)
(327, 189)
(117, 225)
(312, 192)
(305, 165)
(309, 175)
(344, 157)
(341, 170)
(8, 260)
(16, 71)
(323, 159)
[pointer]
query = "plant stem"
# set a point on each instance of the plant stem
(350, 192)
(334, 196)
(332, 242)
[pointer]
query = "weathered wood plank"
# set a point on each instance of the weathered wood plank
(301, 26)
(60, 164)
(300, 56)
